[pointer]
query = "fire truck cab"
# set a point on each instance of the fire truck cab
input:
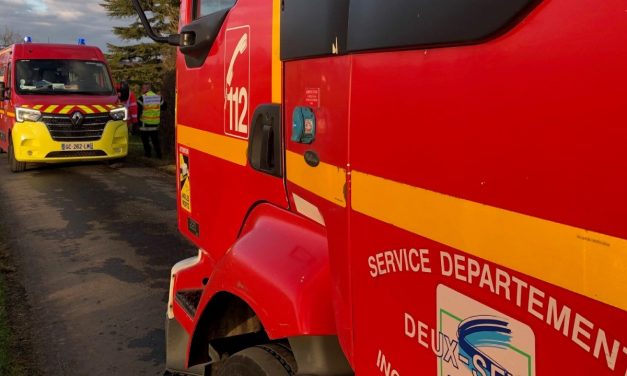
(58, 104)
(401, 188)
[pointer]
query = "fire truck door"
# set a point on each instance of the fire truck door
(227, 98)
(467, 183)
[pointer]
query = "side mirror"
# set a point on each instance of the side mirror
(3, 89)
(174, 40)
(198, 37)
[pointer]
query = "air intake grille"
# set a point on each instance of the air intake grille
(62, 129)
(76, 154)
(189, 300)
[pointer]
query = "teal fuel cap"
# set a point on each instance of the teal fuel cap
(303, 125)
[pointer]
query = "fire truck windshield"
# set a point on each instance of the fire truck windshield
(62, 77)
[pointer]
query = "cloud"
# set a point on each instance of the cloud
(61, 21)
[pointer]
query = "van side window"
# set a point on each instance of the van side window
(205, 7)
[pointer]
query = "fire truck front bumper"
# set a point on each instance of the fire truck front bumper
(177, 338)
(34, 142)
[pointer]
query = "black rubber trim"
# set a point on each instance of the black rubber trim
(313, 28)
(386, 24)
(198, 37)
(189, 300)
(265, 141)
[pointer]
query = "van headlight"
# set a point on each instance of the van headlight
(119, 114)
(26, 114)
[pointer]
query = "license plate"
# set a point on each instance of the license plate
(78, 146)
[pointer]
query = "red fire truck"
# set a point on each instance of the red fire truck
(58, 104)
(401, 188)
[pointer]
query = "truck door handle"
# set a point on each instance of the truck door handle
(264, 143)
(267, 138)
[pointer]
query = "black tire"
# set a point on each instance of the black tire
(13, 163)
(263, 360)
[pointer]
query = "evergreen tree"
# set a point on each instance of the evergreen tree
(144, 60)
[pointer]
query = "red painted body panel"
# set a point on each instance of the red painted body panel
(382, 302)
(56, 51)
(293, 251)
(330, 77)
(273, 241)
(223, 192)
(531, 123)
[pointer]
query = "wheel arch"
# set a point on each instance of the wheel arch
(273, 284)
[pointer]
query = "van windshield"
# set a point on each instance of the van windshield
(62, 77)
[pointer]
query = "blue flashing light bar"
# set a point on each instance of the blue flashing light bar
(28, 39)
(82, 41)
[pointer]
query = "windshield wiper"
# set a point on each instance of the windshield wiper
(87, 92)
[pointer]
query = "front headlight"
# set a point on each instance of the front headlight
(26, 114)
(119, 114)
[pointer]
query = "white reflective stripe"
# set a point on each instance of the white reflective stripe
(148, 128)
(184, 264)
(152, 100)
(308, 209)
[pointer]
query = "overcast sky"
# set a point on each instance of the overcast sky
(60, 21)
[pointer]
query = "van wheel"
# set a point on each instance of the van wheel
(263, 360)
(13, 163)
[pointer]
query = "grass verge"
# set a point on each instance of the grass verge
(16, 352)
(136, 155)
(9, 364)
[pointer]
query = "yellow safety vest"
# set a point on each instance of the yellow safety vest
(151, 112)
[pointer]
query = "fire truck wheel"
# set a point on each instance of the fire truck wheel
(263, 360)
(13, 163)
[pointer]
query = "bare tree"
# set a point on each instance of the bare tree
(9, 36)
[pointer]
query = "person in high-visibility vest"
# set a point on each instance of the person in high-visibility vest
(149, 106)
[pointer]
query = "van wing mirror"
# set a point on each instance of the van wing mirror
(174, 39)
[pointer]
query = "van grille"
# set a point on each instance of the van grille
(62, 129)
(76, 154)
